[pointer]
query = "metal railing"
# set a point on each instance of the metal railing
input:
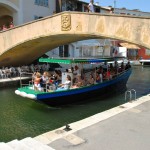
(28, 75)
(129, 94)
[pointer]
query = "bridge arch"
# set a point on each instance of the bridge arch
(25, 43)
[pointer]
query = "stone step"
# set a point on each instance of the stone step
(4, 146)
(32, 143)
(18, 145)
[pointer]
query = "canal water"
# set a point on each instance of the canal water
(21, 117)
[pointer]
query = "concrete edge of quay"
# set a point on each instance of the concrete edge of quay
(51, 136)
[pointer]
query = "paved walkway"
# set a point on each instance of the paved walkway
(125, 127)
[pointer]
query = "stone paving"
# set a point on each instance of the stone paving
(124, 127)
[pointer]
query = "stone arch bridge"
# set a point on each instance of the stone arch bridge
(23, 44)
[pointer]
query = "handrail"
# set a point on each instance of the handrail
(130, 94)
(21, 73)
(126, 95)
(134, 93)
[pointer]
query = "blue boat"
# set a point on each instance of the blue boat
(73, 95)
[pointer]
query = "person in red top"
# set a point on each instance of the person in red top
(108, 75)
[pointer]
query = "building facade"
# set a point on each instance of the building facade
(22, 11)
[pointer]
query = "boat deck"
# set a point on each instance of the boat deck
(30, 90)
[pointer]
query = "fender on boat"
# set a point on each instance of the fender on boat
(23, 94)
(17, 92)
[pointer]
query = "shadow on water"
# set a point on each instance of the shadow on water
(21, 117)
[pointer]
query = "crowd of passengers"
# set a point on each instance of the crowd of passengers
(51, 81)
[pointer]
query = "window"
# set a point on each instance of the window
(61, 51)
(64, 51)
(41, 3)
(147, 52)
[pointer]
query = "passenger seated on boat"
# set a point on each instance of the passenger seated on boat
(112, 73)
(76, 71)
(101, 77)
(84, 80)
(37, 79)
(108, 74)
(100, 69)
(57, 75)
(44, 80)
(97, 78)
(91, 80)
(78, 82)
(77, 85)
(51, 86)
(100, 72)
(65, 85)
(79, 79)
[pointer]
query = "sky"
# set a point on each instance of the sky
(142, 5)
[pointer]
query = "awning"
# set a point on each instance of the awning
(129, 46)
(72, 61)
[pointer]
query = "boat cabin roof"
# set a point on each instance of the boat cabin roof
(75, 61)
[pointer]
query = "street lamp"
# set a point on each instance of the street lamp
(114, 6)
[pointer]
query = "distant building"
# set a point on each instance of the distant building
(22, 11)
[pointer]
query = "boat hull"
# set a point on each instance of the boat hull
(84, 94)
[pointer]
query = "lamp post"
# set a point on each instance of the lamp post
(114, 6)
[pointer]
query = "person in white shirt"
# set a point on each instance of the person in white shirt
(67, 84)
(76, 71)
(90, 6)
